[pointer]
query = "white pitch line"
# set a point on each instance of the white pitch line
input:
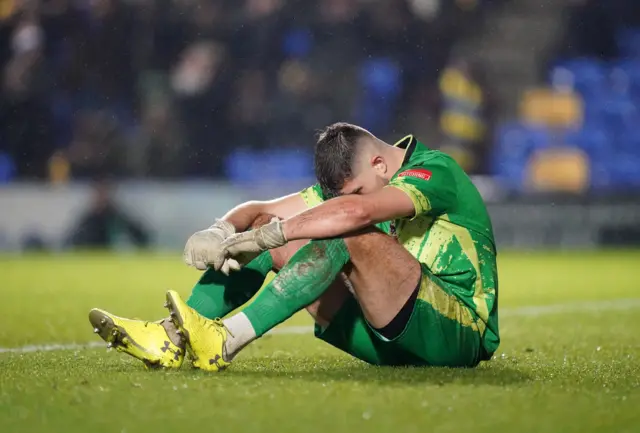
(572, 307)
(51, 347)
(529, 311)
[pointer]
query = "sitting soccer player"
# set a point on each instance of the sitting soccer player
(424, 294)
(430, 299)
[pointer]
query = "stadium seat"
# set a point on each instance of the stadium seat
(62, 114)
(593, 140)
(247, 166)
(562, 169)
(515, 143)
(629, 143)
(600, 178)
(546, 107)
(617, 173)
(297, 43)
(585, 76)
(625, 78)
(626, 173)
(381, 77)
(381, 80)
(7, 168)
(614, 112)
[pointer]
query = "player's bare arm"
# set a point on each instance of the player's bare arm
(242, 216)
(347, 214)
(205, 245)
(330, 219)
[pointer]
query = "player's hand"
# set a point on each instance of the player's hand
(250, 244)
(204, 247)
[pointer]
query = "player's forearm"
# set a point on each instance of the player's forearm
(242, 216)
(330, 219)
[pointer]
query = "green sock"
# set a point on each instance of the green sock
(307, 275)
(216, 294)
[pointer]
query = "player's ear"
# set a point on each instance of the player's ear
(379, 165)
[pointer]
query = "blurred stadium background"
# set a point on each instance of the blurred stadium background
(131, 123)
(128, 124)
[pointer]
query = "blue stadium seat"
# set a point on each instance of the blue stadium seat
(629, 143)
(586, 76)
(381, 80)
(62, 112)
(381, 77)
(614, 112)
(7, 168)
(249, 166)
(624, 171)
(515, 144)
(600, 174)
(593, 140)
(615, 172)
(625, 78)
(297, 43)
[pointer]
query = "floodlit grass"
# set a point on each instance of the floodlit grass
(573, 368)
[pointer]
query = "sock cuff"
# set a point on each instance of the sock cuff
(263, 263)
(203, 304)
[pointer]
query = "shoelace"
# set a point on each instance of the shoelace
(217, 324)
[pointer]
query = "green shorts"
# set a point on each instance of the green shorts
(441, 331)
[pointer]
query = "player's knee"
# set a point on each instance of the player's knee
(325, 308)
(279, 256)
(261, 219)
(366, 239)
(314, 310)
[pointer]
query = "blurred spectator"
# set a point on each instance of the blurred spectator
(104, 224)
(258, 35)
(249, 114)
(167, 88)
(201, 83)
(295, 110)
(106, 58)
(580, 38)
(463, 116)
(98, 146)
(158, 150)
(24, 113)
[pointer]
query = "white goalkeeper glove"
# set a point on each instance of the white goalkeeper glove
(204, 247)
(247, 245)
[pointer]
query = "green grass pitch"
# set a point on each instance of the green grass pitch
(569, 361)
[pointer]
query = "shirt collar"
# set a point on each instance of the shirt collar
(407, 143)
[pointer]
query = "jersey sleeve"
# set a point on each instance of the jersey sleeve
(432, 189)
(312, 195)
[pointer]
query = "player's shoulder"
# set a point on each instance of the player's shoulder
(312, 195)
(424, 165)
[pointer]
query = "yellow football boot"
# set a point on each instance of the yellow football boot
(205, 337)
(146, 341)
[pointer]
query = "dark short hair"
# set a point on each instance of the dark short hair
(334, 155)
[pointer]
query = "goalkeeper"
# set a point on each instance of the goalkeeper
(421, 291)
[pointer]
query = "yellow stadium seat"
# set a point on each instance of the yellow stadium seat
(7, 8)
(544, 106)
(561, 169)
(464, 157)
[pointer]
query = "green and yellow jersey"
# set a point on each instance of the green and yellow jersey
(450, 233)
